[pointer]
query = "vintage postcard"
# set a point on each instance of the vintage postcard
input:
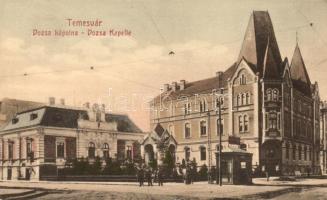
(149, 99)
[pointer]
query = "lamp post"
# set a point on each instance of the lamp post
(220, 138)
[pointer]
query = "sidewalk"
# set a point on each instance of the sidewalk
(197, 190)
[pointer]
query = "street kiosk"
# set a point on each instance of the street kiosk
(236, 166)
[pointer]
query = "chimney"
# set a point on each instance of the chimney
(52, 101)
(182, 84)
(219, 73)
(174, 86)
(166, 87)
(103, 112)
(87, 105)
(62, 101)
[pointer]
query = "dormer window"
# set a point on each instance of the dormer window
(33, 116)
(14, 120)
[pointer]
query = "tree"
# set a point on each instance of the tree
(96, 167)
(203, 172)
(168, 163)
(112, 167)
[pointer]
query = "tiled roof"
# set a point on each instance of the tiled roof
(124, 123)
(65, 117)
(270, 67)
(299, 74)
(258, 32)
(201, 86)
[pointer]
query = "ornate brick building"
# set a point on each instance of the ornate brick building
(269, 103)
(38, 141)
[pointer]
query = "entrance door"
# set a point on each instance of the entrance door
(27, 174)
(9, 174)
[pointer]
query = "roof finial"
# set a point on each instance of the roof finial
(297, 38)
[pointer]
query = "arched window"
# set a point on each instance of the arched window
(242, 79)
(269, 94)
(203, 106)
(187, 130)
(203, 128)
(91, 152)
(243, 99)
(187, 153)
(106, 150)
(240, 123)
(247, 98)
(275, 95)
(239, 100)
(246, 123)
(220, 129)
(203, 153)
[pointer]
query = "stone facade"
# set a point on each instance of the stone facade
(268, 103)
(37, 142)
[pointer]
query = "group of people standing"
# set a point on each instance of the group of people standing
(150, 176)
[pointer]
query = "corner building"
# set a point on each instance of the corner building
(266, 101)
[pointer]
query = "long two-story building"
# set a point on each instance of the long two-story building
(37, 142)
(266, 101)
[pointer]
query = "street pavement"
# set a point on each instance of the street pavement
(261, 189)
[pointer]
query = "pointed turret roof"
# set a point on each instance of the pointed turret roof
(270, 67)
(299, 74)
(255, 41)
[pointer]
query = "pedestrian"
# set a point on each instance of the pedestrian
(160, 177)
(140, 176)
(267, 175)
(149, 177)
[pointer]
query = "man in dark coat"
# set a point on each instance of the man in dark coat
(140, 176)
(160, 177)
(148, 176)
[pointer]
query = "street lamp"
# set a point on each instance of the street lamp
(220, 138)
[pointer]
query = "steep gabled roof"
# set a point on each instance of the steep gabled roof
(270, 67)
(299, 74)
(255, 41)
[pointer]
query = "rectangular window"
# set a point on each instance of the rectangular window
(240, 123)
(246, 123)
(203, 128)
(294, 152)
(203, 153)
(60, 150)
(29, 150)
(129, 152)
(10, 150)
(187, 130)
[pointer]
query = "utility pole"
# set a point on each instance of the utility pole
(220, 138)
(209, 150)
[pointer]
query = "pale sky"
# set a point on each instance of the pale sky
(205, 35)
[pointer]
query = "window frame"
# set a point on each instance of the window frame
(203, 153)
(203, 129)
